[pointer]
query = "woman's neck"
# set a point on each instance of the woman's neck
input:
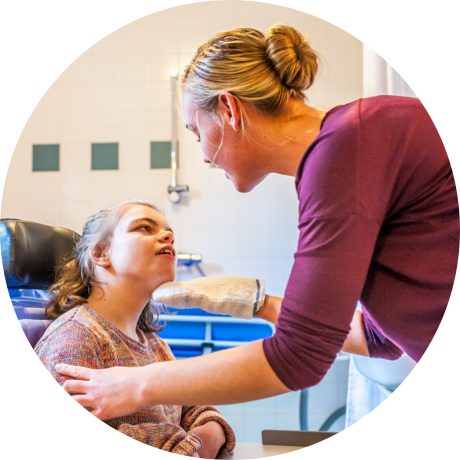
(285, 139)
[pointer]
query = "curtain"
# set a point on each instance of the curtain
(380, 78)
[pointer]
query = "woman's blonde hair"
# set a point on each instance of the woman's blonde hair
(265, 69)
(76, 278)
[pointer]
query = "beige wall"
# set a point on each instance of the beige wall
(118, 91)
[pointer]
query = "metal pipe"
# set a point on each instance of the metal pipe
(174, 190)
(173, 74)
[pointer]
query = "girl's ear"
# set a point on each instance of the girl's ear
(100, 256)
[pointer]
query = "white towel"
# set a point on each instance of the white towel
(225, 295)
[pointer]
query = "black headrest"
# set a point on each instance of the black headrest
(31, 252)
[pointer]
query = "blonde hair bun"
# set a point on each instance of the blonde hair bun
(292, 57)
(265, 69)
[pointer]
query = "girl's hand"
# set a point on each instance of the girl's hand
(212, 436)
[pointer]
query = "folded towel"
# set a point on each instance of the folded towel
(225, 295)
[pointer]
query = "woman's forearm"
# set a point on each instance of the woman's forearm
(271, 309)
(226, 377)
(355, 342)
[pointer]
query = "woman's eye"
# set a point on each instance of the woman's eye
(144, 227)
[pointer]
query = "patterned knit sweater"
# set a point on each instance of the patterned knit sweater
(83, 338)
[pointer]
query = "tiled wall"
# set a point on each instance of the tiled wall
(119, 92)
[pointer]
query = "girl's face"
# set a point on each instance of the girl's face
(222, 145)
(142, 250)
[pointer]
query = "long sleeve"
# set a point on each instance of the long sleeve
(378, 222)
(82, 338)
(194, 416)
(378, 345)
(165, 436)
(70, 343)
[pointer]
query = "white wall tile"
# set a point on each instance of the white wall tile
(168, 17)
(75, 187)
(109, 45)
(160, 64)
(51, 101)
(135, 68)
(164, 37)
(159, 125)
(136, 184)
(105, 185)
(106, 68)
(75, 127)
(16, 209)
(193, 13)
(48, 184)
(76, 98)
(160, 98)
(191, 36)
(75, 215)
(21, 160)
(106, 126)
(134, 155)
(75, 156)
(135, 38)
(47, 212)
(105, 97)
(47, 128)
(80, 71)
(18, 187)
(134, 97)
(134, 125)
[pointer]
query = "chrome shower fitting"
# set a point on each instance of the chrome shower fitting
(174, 190)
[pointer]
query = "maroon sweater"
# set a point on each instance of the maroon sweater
(379, 224)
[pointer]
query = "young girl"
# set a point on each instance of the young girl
(105, 319)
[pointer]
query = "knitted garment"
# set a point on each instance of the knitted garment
(83, 338)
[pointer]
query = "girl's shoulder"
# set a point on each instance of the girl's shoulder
(77, 323)
(159, 347)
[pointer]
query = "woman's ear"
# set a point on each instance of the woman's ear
(100, 256)
(230, 110)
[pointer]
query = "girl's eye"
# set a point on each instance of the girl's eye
(146, 227)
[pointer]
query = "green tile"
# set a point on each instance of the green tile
(104, 156)
(160, 155)
(45, 157)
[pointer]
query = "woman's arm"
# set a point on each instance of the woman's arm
(355, 342)
(225, 377)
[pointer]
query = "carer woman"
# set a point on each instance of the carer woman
(378, 220)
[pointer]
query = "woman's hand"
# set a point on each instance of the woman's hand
(212, 436)
(111, 393)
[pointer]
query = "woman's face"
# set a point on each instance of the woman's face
(222, 145)
(142, 250)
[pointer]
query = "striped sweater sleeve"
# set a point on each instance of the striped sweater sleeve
(194, 416)
(71, 343)
(165, 436)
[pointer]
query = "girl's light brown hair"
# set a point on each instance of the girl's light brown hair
(76, 278)
(265, 69)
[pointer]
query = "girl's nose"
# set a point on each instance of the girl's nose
(167, 236)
